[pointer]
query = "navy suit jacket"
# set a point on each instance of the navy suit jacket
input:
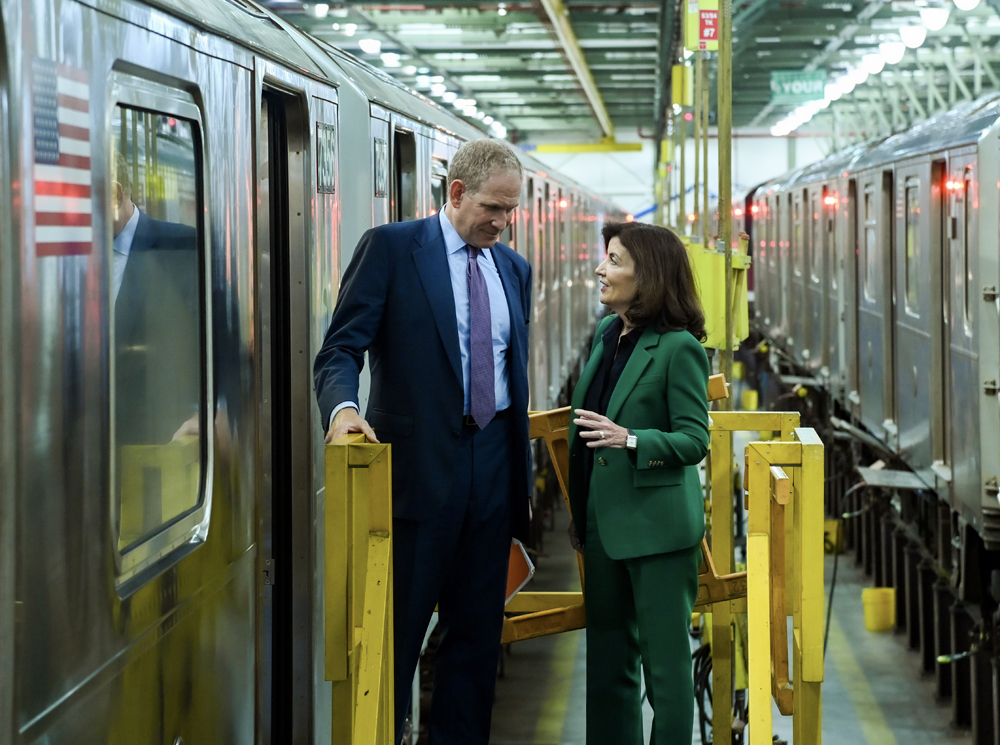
(396, 302)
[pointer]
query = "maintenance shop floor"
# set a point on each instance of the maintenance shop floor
(874, 692)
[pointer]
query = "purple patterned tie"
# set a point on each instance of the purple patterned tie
(482, 388)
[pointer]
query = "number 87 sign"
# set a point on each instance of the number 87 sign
(702, 25)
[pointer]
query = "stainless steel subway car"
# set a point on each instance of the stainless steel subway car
(161, 458)
(877, 276)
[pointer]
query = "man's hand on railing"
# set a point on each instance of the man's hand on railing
(349, 420)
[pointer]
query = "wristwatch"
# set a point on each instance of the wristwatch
(631, 441)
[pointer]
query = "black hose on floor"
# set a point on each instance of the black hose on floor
(836, 556)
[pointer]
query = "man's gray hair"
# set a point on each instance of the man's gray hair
(122, 175)
(477, 160)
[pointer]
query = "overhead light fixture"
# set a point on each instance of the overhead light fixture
(469, 111)
(966, 4)
(892, 51)
(858, 75)
(873, 63)
(832, 92)
(350, 28)
(487, 120)
(423, 81)
(438, 89)
(844, 84)
(502, 9)
(320, 10)
(409, 70)
(913, 36)
(390, 59)
(370, 46)
(935, 18)
(449, 96)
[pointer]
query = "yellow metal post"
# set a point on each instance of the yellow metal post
(698, 134)
(682, 194)
(722, 555)
(758, 600)
(706, 217)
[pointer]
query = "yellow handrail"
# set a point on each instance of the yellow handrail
(359, 642)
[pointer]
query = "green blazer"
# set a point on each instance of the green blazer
(649, 502)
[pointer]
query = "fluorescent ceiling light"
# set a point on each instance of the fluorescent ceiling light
(350, 28)
(892, 51)
(858, 75)
(873, 63)
(438, 89)
(370, 46)
(913, 36)
(469, 111)
(966, 4)
(487, 120)
(390, 59)
(846, 84)
(935, 18)
(449, 96)
(833, 92)
(409, 70)
(320, 10)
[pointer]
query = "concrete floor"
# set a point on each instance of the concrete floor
(874, 692)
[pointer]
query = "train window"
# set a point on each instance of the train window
(405, 172)
(156, 271)
(967, 215)
(816, 242)
(831, 243)
(870, 243)
(797, 247)
(912, 237)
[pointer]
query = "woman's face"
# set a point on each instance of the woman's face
(617, 275)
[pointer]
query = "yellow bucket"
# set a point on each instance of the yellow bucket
(880, 607)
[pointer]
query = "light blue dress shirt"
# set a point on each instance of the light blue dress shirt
(458, 260)
(123, 247)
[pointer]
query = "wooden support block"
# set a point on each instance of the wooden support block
(543, 623)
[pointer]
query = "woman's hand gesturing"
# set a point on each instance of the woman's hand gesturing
(599, 431)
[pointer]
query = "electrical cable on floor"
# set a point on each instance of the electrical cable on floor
(836, 555)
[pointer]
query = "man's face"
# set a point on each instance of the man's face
(480, 218)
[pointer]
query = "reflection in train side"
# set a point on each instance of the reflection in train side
(156, 372)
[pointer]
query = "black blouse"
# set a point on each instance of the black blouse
(617, 350)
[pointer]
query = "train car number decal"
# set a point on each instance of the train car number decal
(326, 162)
(381, 167)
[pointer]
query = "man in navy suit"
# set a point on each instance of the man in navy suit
(442, 309)
(155, 282)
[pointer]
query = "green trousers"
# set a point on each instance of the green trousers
(639, 609)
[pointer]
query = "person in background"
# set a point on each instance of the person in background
(442, 309)
(640, 430)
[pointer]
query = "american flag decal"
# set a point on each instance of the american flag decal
(63, 204)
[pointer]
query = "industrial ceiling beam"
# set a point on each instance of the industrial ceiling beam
(558, 17)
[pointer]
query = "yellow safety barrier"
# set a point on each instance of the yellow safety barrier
(709, 267)
(784, 480)
(359, 645)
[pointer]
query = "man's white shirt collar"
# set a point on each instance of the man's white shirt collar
(453, 242)
(123, 241)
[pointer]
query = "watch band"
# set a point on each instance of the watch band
(631, 441)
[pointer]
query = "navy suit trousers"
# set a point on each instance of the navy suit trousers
(457, 559)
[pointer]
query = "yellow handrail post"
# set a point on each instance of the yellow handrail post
(358, 591)
(758, 601)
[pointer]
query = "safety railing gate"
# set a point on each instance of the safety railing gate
(358, 587)
(784, 483)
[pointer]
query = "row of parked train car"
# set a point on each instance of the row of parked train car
(876, 284)
(161, 458)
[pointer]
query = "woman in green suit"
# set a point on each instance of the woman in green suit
(640, 431)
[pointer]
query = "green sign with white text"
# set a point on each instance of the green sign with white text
(797, 87)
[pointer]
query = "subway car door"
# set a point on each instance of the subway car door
(285, 672)
(917, 318)
(959, 445)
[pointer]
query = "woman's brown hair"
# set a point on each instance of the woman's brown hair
(666, 298)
